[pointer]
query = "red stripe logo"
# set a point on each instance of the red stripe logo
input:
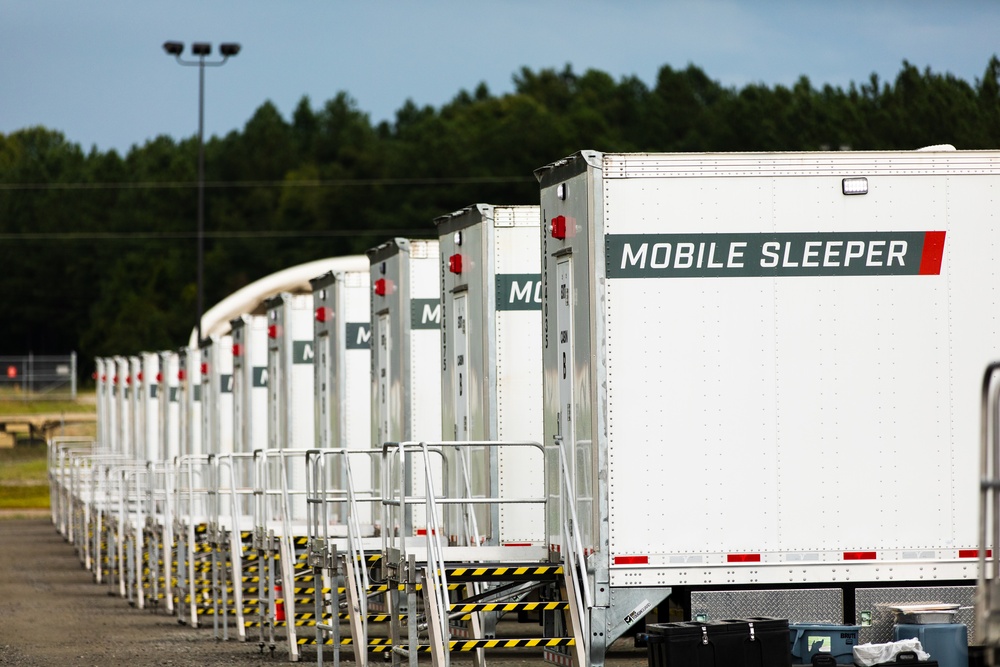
(930, 259)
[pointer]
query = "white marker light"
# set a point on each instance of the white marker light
(855, 186)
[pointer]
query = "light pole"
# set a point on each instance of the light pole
(201, 50)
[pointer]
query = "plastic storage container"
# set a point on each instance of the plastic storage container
(948, 643)
(909, 658)
(751, 642)
(808, 639)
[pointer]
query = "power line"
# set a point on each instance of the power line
(167, 236)
(315, 183)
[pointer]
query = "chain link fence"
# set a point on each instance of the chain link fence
(38, 377)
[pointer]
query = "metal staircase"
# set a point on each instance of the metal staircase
(446, 593)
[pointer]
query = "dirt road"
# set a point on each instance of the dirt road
(52, 613)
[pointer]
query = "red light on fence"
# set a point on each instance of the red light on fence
(128, 380)
(204, 369)
(104, 378)
(115, 380)
(455, 263)
(181, 375)
(12, 372)
(380, 287)
(237, 350)
(273, 331)
(139, 377)
(324, 314)
(159, 377)
(93, 376)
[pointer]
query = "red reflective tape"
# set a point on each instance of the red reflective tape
(517, 544)
(743, 558)
(860, 555)
(973, 553)
(930, 259)
(631, 560)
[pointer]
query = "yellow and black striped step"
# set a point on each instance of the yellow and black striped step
(371, 558)
(309, 620)
(475, 644)
(459, 645)
(375, 644)
(310, 591)
(382, 588)
(509, 606)
(496, 572)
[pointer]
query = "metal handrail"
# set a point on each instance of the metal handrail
(437, 577)
(469, 523)
(988, 587)
(404, 502)
(398, 450)
(573, 553)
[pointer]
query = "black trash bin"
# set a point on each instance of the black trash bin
(749, 642)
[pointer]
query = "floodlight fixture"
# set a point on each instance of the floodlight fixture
(201, 50)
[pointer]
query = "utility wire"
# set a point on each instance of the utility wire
(135, 236)
(316, 183)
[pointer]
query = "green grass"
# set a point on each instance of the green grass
(24, 480)
(11, 406)
(29, 495)
(24, 477)
(22, 472)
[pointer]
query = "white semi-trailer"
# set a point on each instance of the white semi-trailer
(761, 379)
(342, 334)
(249, 334)
(406, 363)
(491, 372)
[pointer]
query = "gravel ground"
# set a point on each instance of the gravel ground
(52, 613)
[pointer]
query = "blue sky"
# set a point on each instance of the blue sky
(96, 71)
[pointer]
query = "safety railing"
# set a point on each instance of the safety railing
(575, 564)
(101, 491)
(231, 510)
(279, 503)
(131, 522)
(988, 588)
(61, 450)
(400, 458)
(399, 499)
(160, 508)
(340, 510)
(190, 505)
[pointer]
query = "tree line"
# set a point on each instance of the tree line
(98, 249)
